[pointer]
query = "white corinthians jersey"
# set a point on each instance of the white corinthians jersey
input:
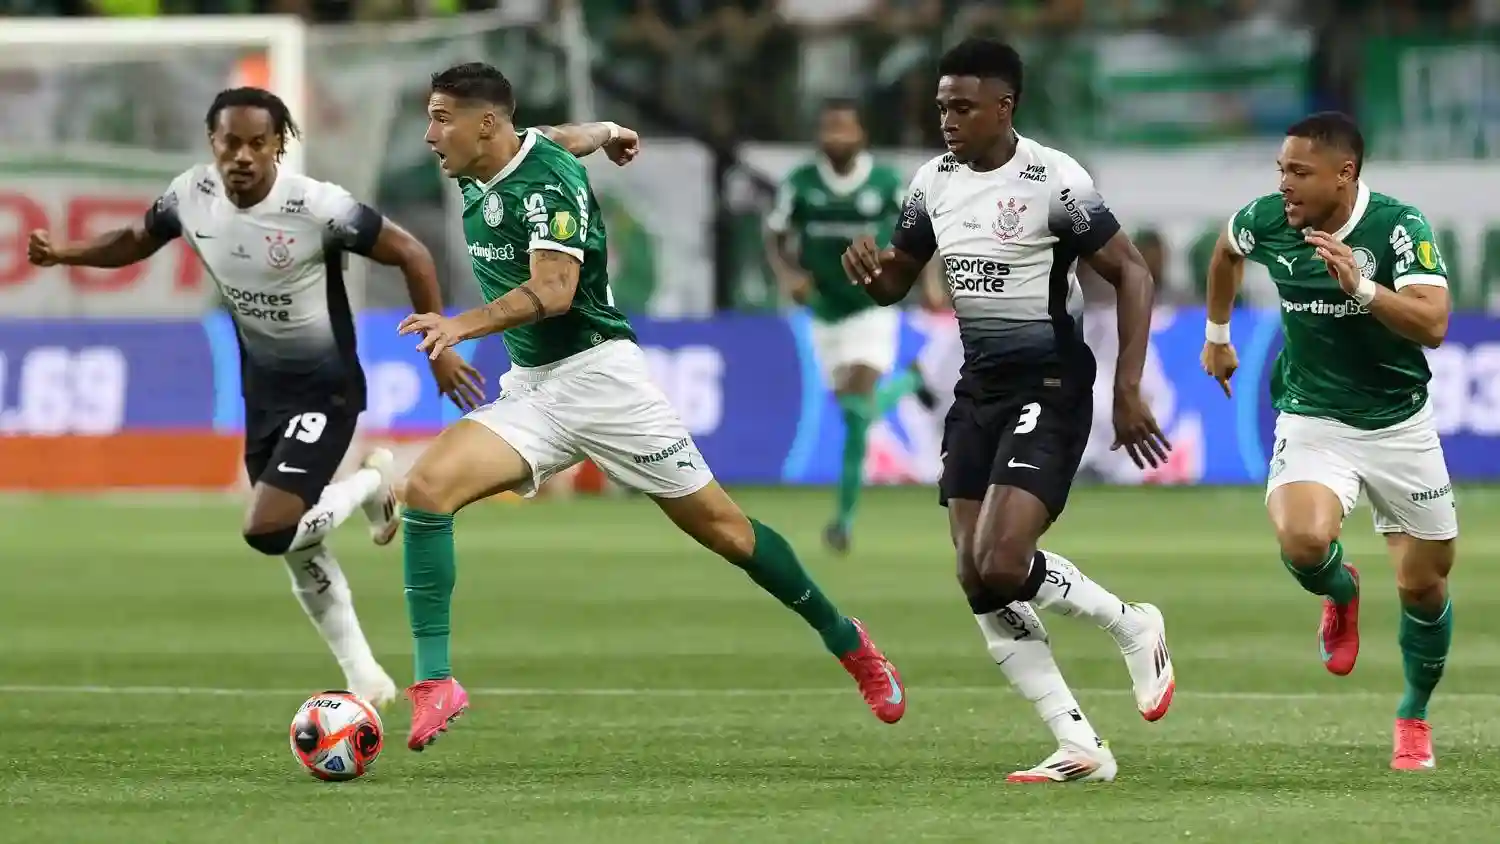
(279, 266)
(1009, 240)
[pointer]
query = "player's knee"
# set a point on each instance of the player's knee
(269, 540)
(1305, 544)
(1002, 567)
(424, 489)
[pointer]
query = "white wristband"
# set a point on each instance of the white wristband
(614, 130)
(1364, 292)
(1216, 332)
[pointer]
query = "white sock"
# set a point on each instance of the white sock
(1018, 643)
(321, 588)
(1068, 591)
(338, 501)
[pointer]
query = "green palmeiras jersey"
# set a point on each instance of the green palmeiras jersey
(825, 211)
(542, 200)
(1338, 361)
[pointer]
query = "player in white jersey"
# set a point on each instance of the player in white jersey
(1009, 218)
(274, 242)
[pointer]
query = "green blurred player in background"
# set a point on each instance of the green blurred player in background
(821, 208)
(1363, 290)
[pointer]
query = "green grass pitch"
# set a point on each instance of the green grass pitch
(631, 688)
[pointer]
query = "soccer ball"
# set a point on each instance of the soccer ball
(336, 735)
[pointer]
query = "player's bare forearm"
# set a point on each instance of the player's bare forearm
(1120, 263)
(396, 247)
(1418, 312)
(779, 257)
(118, 248)
(1226, 269)
(548, 293)
(898, 272)
(581, 139)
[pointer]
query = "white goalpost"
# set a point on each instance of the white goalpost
(41, 43)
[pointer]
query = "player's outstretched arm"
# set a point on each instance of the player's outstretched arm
(396, 247)
(548, 293)
(1118, 262)
(895, 272)
(584, 139)
(1226, 271)
(119, 248)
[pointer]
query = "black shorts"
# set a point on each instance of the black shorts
(1030, 435)
(297, 449)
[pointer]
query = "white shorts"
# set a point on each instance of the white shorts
(1400, 468)
(601, 405)
(867, 338)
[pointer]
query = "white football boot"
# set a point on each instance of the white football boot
(381, 508)
(1072, 763)
(1149, 662)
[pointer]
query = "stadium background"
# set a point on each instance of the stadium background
(626, 687)
(127, 377)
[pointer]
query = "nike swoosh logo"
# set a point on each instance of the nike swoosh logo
(1015, 465)
(897, 693)
(290, 470)
(441, 702)
(202, 236)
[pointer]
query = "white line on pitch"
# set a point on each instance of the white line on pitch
(936, 691)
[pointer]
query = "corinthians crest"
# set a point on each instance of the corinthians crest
(1008, 224)
(278, 251)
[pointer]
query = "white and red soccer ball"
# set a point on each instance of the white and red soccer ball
(337, 735)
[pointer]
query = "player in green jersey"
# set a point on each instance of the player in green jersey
(821, 207)
(1363, 290)
(578, 387)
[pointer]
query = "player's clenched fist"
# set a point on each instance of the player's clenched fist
(39, 250)
(623, 147)
(1220, 361)
(862, 259)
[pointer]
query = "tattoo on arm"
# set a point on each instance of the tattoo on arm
(548, 293)
(536, 301)
(581, 139)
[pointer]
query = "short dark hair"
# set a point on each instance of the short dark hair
(476, 81)
(1335, 129)
(281, 116)
(985, 58)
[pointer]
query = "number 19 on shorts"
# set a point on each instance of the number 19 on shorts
(306, 427)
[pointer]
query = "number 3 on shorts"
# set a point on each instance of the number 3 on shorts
(306, 427)
(1029, 413)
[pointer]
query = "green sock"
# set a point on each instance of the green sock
(774, 567)
(430, 571)
(1330, 579)
(859, 412)
(899, 385)
(1425, 637)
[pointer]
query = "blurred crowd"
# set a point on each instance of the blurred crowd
(756, 69)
